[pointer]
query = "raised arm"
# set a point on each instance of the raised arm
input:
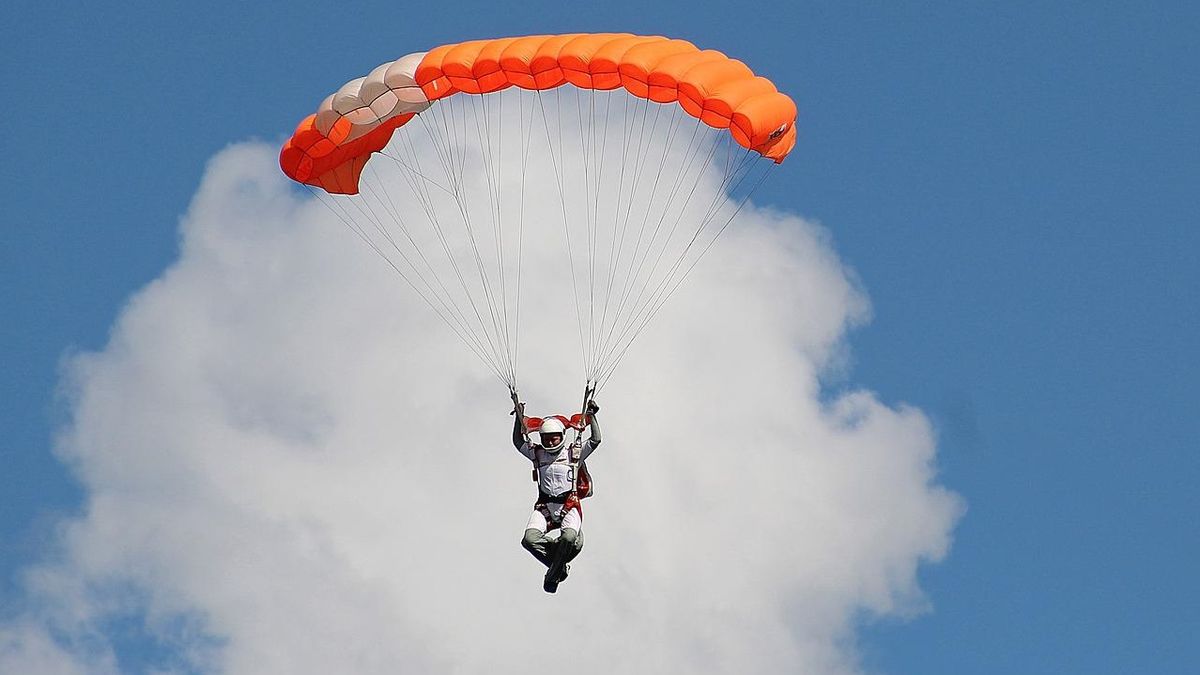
(519, 430)
(593, 422)
(518, 414)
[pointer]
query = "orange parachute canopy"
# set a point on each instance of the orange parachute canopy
(330, 148)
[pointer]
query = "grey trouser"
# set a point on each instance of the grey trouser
(552, 552)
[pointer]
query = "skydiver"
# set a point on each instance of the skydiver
(562, 481)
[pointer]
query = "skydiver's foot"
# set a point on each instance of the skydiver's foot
(555, 577)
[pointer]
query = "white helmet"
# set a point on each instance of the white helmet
(552, 426)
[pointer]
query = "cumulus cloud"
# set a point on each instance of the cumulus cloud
(292, 466)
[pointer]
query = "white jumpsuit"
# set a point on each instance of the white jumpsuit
(555, 478)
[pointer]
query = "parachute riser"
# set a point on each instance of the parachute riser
(589, 391)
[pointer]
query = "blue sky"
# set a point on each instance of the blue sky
(1014, 184)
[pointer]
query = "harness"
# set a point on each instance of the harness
(554, 520)
(581, 483)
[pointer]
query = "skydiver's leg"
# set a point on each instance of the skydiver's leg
(535, 540)
(569, 544)
(570, 541)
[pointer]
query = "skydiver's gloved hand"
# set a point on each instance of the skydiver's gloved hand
(593, 423)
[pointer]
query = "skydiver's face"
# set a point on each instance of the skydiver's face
(551, 440)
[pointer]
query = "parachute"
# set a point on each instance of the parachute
(643, 148)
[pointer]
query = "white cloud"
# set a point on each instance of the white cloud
(27, 647)
(292, 466)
